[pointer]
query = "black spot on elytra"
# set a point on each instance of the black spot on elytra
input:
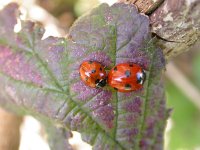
(100, 69)
(97, 81)
(127, 86)
(90, 62)
(131, 65)
(127, 73)
(115, 88)
(115, 69)
(93, 71)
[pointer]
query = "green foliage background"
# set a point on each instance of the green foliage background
(185, 131)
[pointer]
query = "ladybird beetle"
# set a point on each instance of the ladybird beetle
(93, 74)
(126, 77)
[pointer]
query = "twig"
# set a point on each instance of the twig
(181, 81)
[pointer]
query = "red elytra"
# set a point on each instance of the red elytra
(93, 74)
(126, 77)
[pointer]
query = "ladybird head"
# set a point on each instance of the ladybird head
(141, 76)
(100, 83)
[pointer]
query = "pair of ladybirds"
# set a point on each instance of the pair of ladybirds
(124, 77)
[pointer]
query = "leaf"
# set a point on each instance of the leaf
(43, 76)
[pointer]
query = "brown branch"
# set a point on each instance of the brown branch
(181, 81)
(9, 130)
(174, 20)
(177, 20)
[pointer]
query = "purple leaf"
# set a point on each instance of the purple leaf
(43, 76)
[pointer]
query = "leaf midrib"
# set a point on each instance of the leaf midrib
(60, 90)
(67, 97)
(34, 53)
(146, 102)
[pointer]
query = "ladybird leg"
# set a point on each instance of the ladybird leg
(104, 66)
(116, 88)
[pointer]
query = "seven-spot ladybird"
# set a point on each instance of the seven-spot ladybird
(93, 74)
(126, 77)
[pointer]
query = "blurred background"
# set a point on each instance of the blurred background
(182, 81)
